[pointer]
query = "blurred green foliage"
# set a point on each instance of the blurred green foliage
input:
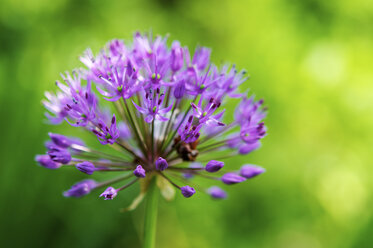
(311, 61)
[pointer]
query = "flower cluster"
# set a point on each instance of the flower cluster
(160, 109)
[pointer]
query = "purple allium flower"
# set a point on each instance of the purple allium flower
(161, 164)
(81, 188)
(154, 105)
(249, 170)
(217, 192)
(109, 194)
(47, 162)
(139, 171)
(86, 167)
(187, 191)
(232, 178)
(214, 166)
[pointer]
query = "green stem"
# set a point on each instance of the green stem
(151, 215)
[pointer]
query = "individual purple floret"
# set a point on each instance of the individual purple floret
(177, 60)
(214, 166)
(252, 133)
(81, 188)
(205, 115)
(160, 110)
(217, 192)
(109, 194)
(86, 167)
(250, 171)
(187, 191)
(153, 107)
(190, 133)
(201, 58)
(232, 178)
(179, 90)
(105, 134)
(199, 82)
(161, 164)
(249, 111)
(242, 147)
(119, 82)
(139, 171)
(229, 82)
(80, 103)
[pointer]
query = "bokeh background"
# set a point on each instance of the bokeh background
(311, 60)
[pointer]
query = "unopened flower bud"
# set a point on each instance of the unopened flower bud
(214, 166)
(187, 191)
(232, 178)
(139, 171)
(250, 171)
(60, 140)
(161, 164)
(47, 162)
(86, 167)
(216, 192)
(60, 155)
(80, 189)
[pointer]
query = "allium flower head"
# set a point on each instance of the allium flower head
(160, 113)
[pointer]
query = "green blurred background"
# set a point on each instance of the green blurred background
(310, 60)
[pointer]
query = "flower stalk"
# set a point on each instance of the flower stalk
(151, 211)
